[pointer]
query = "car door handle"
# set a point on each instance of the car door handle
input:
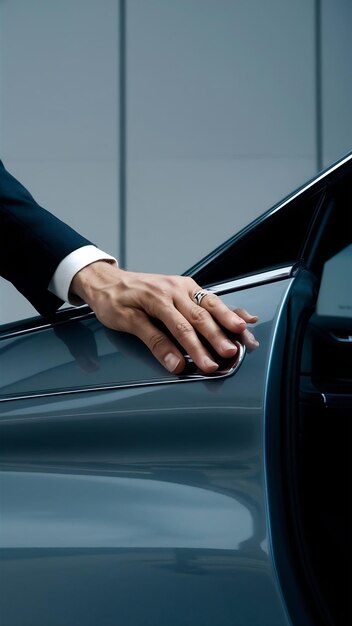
(227, 367)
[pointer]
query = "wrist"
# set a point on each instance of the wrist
(93, 277)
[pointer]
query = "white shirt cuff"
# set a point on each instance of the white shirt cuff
(69, 266)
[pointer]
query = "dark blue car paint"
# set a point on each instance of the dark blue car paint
(140, 505)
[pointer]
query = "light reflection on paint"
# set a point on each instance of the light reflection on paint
(62, 510)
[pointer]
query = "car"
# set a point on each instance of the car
(132, 496)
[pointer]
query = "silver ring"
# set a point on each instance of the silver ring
(199, 295)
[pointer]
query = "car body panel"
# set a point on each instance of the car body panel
(122, 503)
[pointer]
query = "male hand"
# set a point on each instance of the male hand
(133, 301)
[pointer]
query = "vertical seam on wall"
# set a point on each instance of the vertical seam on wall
(122, 133)
(318, 86)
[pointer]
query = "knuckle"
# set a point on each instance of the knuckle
(183, 282)
(179, 283)
(156, 341)
(191, 284)
(174, 281)
(190, 281)
(212, 301)
(198, 314)
(183, 328)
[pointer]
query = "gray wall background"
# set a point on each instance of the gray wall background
(158, 128)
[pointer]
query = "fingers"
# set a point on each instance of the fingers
(185, 334)
(137, 323)
(158, 343)
(129, 302)
(207, 326)
(247, 317)
(204, 323)
(249, 340)
(217, 309)
(165, 351)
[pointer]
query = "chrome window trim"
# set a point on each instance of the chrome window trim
(45, 326)
(252, 280)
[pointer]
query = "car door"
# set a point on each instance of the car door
(130, 495)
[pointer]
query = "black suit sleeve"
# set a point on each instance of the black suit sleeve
(32, 243)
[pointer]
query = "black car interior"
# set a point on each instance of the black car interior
(321, 432)
(315, 409)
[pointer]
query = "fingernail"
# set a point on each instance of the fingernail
(171, 361)
(210, 363)
(228, 345)
(252, 338)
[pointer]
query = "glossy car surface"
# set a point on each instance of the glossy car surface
(132, 496)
